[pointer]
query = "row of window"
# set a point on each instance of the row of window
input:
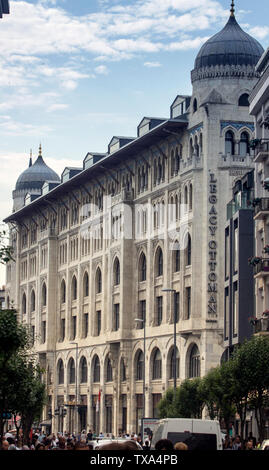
(142, 276)
(156, 367)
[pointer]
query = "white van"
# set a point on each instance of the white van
(198, 434)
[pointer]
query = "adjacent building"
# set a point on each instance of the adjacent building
(259, 108)
(4, 7)
(96, 248)
(239, 247)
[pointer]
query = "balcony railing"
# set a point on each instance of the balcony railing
(261, 151)
(261, 207)
(262, 268)
(261, 325)
(48, 232)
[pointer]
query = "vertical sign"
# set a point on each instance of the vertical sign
(212, 247)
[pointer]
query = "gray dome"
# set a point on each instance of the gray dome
(231, 46)
(35, 176)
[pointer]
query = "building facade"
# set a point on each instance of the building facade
(4, 7)
(239, 282)
(259, 108)
(95, 250)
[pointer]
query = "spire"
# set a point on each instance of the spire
(30, 160)
(40, 150)
(232, 8)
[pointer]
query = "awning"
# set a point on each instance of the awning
(46, 423)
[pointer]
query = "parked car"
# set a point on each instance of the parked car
(198, 434)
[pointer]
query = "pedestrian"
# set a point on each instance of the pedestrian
(181, 446)
(146, 445)
(252, 438)
(5, 444)
(89, 435)
(164, 444)
(249, 445)
(237, 443)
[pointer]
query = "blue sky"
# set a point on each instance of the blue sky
(73, 73)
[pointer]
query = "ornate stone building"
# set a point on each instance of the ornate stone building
(95, 250)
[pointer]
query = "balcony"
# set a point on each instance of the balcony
(261, 151)
(49, 232)
(261, 269)
(261, 326)
(261, 208)
(236, 162)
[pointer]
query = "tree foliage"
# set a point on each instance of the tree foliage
(21, 390)
(238, 385)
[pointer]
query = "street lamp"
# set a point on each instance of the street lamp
(76, 407)
(175, 338)
(143, 321)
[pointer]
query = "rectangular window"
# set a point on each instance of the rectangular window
(43, 332)
(98, 322)
(74, 327)
(86, 324)
(142, 313)
(235, 310)
(235, 251)
(159, 313)
(176, 306)
(227, 253)
(227, 313)
(188, 302)
(62, 329)
(116, 321)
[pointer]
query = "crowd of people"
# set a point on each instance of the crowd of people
(90, 441)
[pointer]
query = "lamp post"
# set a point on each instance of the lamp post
(143, 321)
(76, 406)
(175, 338)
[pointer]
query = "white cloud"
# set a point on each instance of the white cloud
(152, 64)
(11, 127)
(57, 107)
(101, 70)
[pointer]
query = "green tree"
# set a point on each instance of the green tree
(187, 402)
(21, 390)
(251, 371)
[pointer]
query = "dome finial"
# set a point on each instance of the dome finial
(232, 8)
(40, 150)
(30, 160)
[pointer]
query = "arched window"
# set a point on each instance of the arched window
(60, 372)
(157, 365)
(74, 288)
(109, 373)
(159, 262)
(191, 149)
(96, 369)
(142, 268)
(83, 370)
(244, 144)
(86, 285)
(194, 105)
(63, 292)
(229, 143)
(23, 304)
(194, 365)
(140, 366)
(33, 301)
(98, 281)
(116, 272)
(44, 295)
(201, 143)
(186, 196)
(72, 371)
(172, 364)
(243, 100)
